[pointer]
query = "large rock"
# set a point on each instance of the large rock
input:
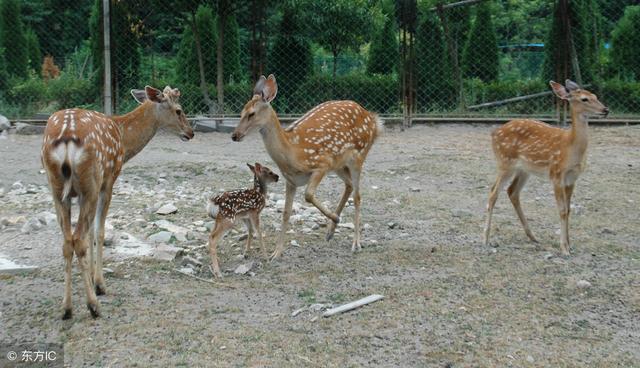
(29, 129)
(161, 237)
(32, 225)
(166, 252)
(4, 123)
(167, 209)
(47, 218)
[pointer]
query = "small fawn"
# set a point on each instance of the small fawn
(245, 204)
(333, 136)
(83, 153)
(524, 147)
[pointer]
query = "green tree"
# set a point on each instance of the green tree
(13, 39)
(339, 25)
(383, 54)
(433, 76)
(33, 50)
(291, 59)
(480, 56)
(231, 50)
(125, 49)
(575, 31)
(187, 59)
(3, 70)
(626, 43)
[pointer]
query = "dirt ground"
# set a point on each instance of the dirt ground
(449, 300)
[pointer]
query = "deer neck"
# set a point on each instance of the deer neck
(260, 185)
(137, 128)
(276, 141)
(579, 133)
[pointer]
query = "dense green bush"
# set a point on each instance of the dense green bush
(383, 54)
(626, 44)
(31, 92)
(69, 91)
(619, 96)
(480, 55)
(376, 93)
(478, 92)
(12, 37)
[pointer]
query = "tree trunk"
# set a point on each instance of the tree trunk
(203, 81)
(220, 63)
(453, 54)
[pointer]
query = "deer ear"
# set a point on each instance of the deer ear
(139, 95)
(571, 85)
(153, 94)
(257, 90)
(258, 167)
(253, 169)
(270, 89)
(559, 90)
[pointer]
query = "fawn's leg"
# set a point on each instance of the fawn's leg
(345, 175)
(286, 214)
(514, 195)
(503, 175)
(221, 227)
(247, 246)
(562, 202)
(254, 217)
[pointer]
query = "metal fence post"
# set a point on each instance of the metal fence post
(108, 107)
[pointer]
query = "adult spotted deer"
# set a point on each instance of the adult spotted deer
(83, 153)
(333, 136)
(245, 204)
(524, 147)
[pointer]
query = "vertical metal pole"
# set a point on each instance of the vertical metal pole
(108, 108)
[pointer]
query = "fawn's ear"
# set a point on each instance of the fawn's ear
(258, 167)
(559, 90)
(253, 169)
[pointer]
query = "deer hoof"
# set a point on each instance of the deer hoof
(100, 289)
(67, 314)
(93, 309)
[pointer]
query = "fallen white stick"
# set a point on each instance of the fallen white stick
(352, 305)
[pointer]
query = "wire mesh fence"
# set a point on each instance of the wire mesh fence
(403, 57)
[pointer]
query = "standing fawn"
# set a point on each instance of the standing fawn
(333, 136)
(83, 152)
(524, 147)
(245, 204)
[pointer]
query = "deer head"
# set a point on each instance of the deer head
(581, 100)
(167, 109)
(257, 112)
(263, 173)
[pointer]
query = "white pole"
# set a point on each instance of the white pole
(108, 108)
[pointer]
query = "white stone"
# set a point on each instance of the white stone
(583, 284)
(347, 225)
(166, 252)
(32, 225)
(161, 237)
(243, 268)
(47, 218)
(4, 123)
(167, 209)
(294, 243)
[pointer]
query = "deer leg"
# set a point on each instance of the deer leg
(286, 214)
(568, 192)
(254, 217)
(104, 200)
(247, 246)
(493, 197)
(63, 210)
(562, 203)
(221, 227)
(310, 195)
(81, 245)
(345, 175)
(514, 195)
(355, 179)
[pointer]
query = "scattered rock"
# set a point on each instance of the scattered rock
(161, 237)
(530, 359)
(414, 189)
(166, 252)
(28, 129)
(347, 225)
(243, 268)
(167, 209)
(32, 225)
(4, 123)
(607, 231)
(583, 284)
(187, 270)
(107, 270)
(392, 225)
(198, 223)
(47, 218)
(294, 243)
(188, 260)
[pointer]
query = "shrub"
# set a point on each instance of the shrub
(480, 92)
(69, 91)
(620, 96)
(30, 92)
(480, 56)
(626, 43)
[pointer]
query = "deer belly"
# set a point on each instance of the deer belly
(539, 169)
(297, 179)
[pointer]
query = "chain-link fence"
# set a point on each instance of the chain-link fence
(402, 57)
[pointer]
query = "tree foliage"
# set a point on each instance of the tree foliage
(383, 54)
(13, 38)
(626, 43)
(33, 50)
(480, 56)
(187, 59)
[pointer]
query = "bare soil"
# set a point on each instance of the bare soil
(449, 300)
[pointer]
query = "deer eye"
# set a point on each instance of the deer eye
(251, 115)
(179, 112)
(584, 99)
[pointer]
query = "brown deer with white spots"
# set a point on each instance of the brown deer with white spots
(83, 152)
(244, 204)
(333, 136)
(524, 147)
